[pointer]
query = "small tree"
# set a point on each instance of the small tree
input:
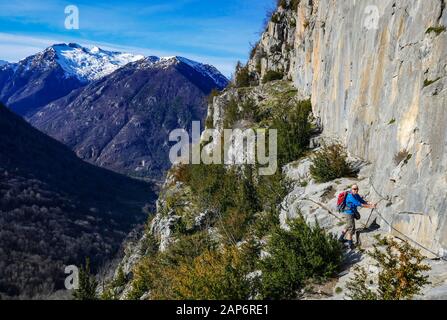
(297, 256)
(120, 279)
(294, 131)
(242, 77)
(87, 284)
(272, 75)
(330, 163)
(215, 274)
(401, 273)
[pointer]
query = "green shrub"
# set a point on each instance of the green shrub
(242, 76)
(276, 17)
(249, 111)
(87, 284)
(400, 277)
(272, 190)
(120, 279)
(272, 75)
(154, 273)
(294, 4)
(403, 155)
(264, 223)
(294, 131)
(283, 3)
(296, 257)
(288, 4)
(111, 291)
(330, 163)
(437, 29)
(246, 110)
(430, 82)
(214, 275)
(231, 114)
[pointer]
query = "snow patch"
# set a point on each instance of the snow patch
(205, 69)
(90, 64)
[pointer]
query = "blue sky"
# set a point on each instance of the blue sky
(218, 32)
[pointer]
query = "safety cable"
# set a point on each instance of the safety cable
(414, 241)
(393, 228)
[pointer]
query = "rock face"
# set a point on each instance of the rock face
(122, 122)
(376, 75)
(56, 210)
(275, 49)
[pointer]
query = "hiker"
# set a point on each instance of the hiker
(353, 200)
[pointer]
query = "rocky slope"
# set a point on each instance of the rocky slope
(122, 122)
(35, 81)
(377, 85)
(56, 210)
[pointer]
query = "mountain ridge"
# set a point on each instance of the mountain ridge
(37, 80)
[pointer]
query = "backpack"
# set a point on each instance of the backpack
(341, 201)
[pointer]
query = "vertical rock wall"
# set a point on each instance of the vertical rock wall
(376, 73)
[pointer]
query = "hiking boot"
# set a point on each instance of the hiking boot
(351, 245)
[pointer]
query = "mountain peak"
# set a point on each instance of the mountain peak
(90, 64)
(205, 69)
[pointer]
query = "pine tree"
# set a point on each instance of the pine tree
(87, 284)
(120, 278)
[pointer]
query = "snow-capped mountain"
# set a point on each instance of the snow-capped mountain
(205, 69)
(122, 121)
(209, 71)
(37, 80)
(90, 64)
(2, 62)
(32, 83)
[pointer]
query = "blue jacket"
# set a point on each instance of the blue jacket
(352, 202)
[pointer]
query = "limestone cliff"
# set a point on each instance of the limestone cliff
(376, 74)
